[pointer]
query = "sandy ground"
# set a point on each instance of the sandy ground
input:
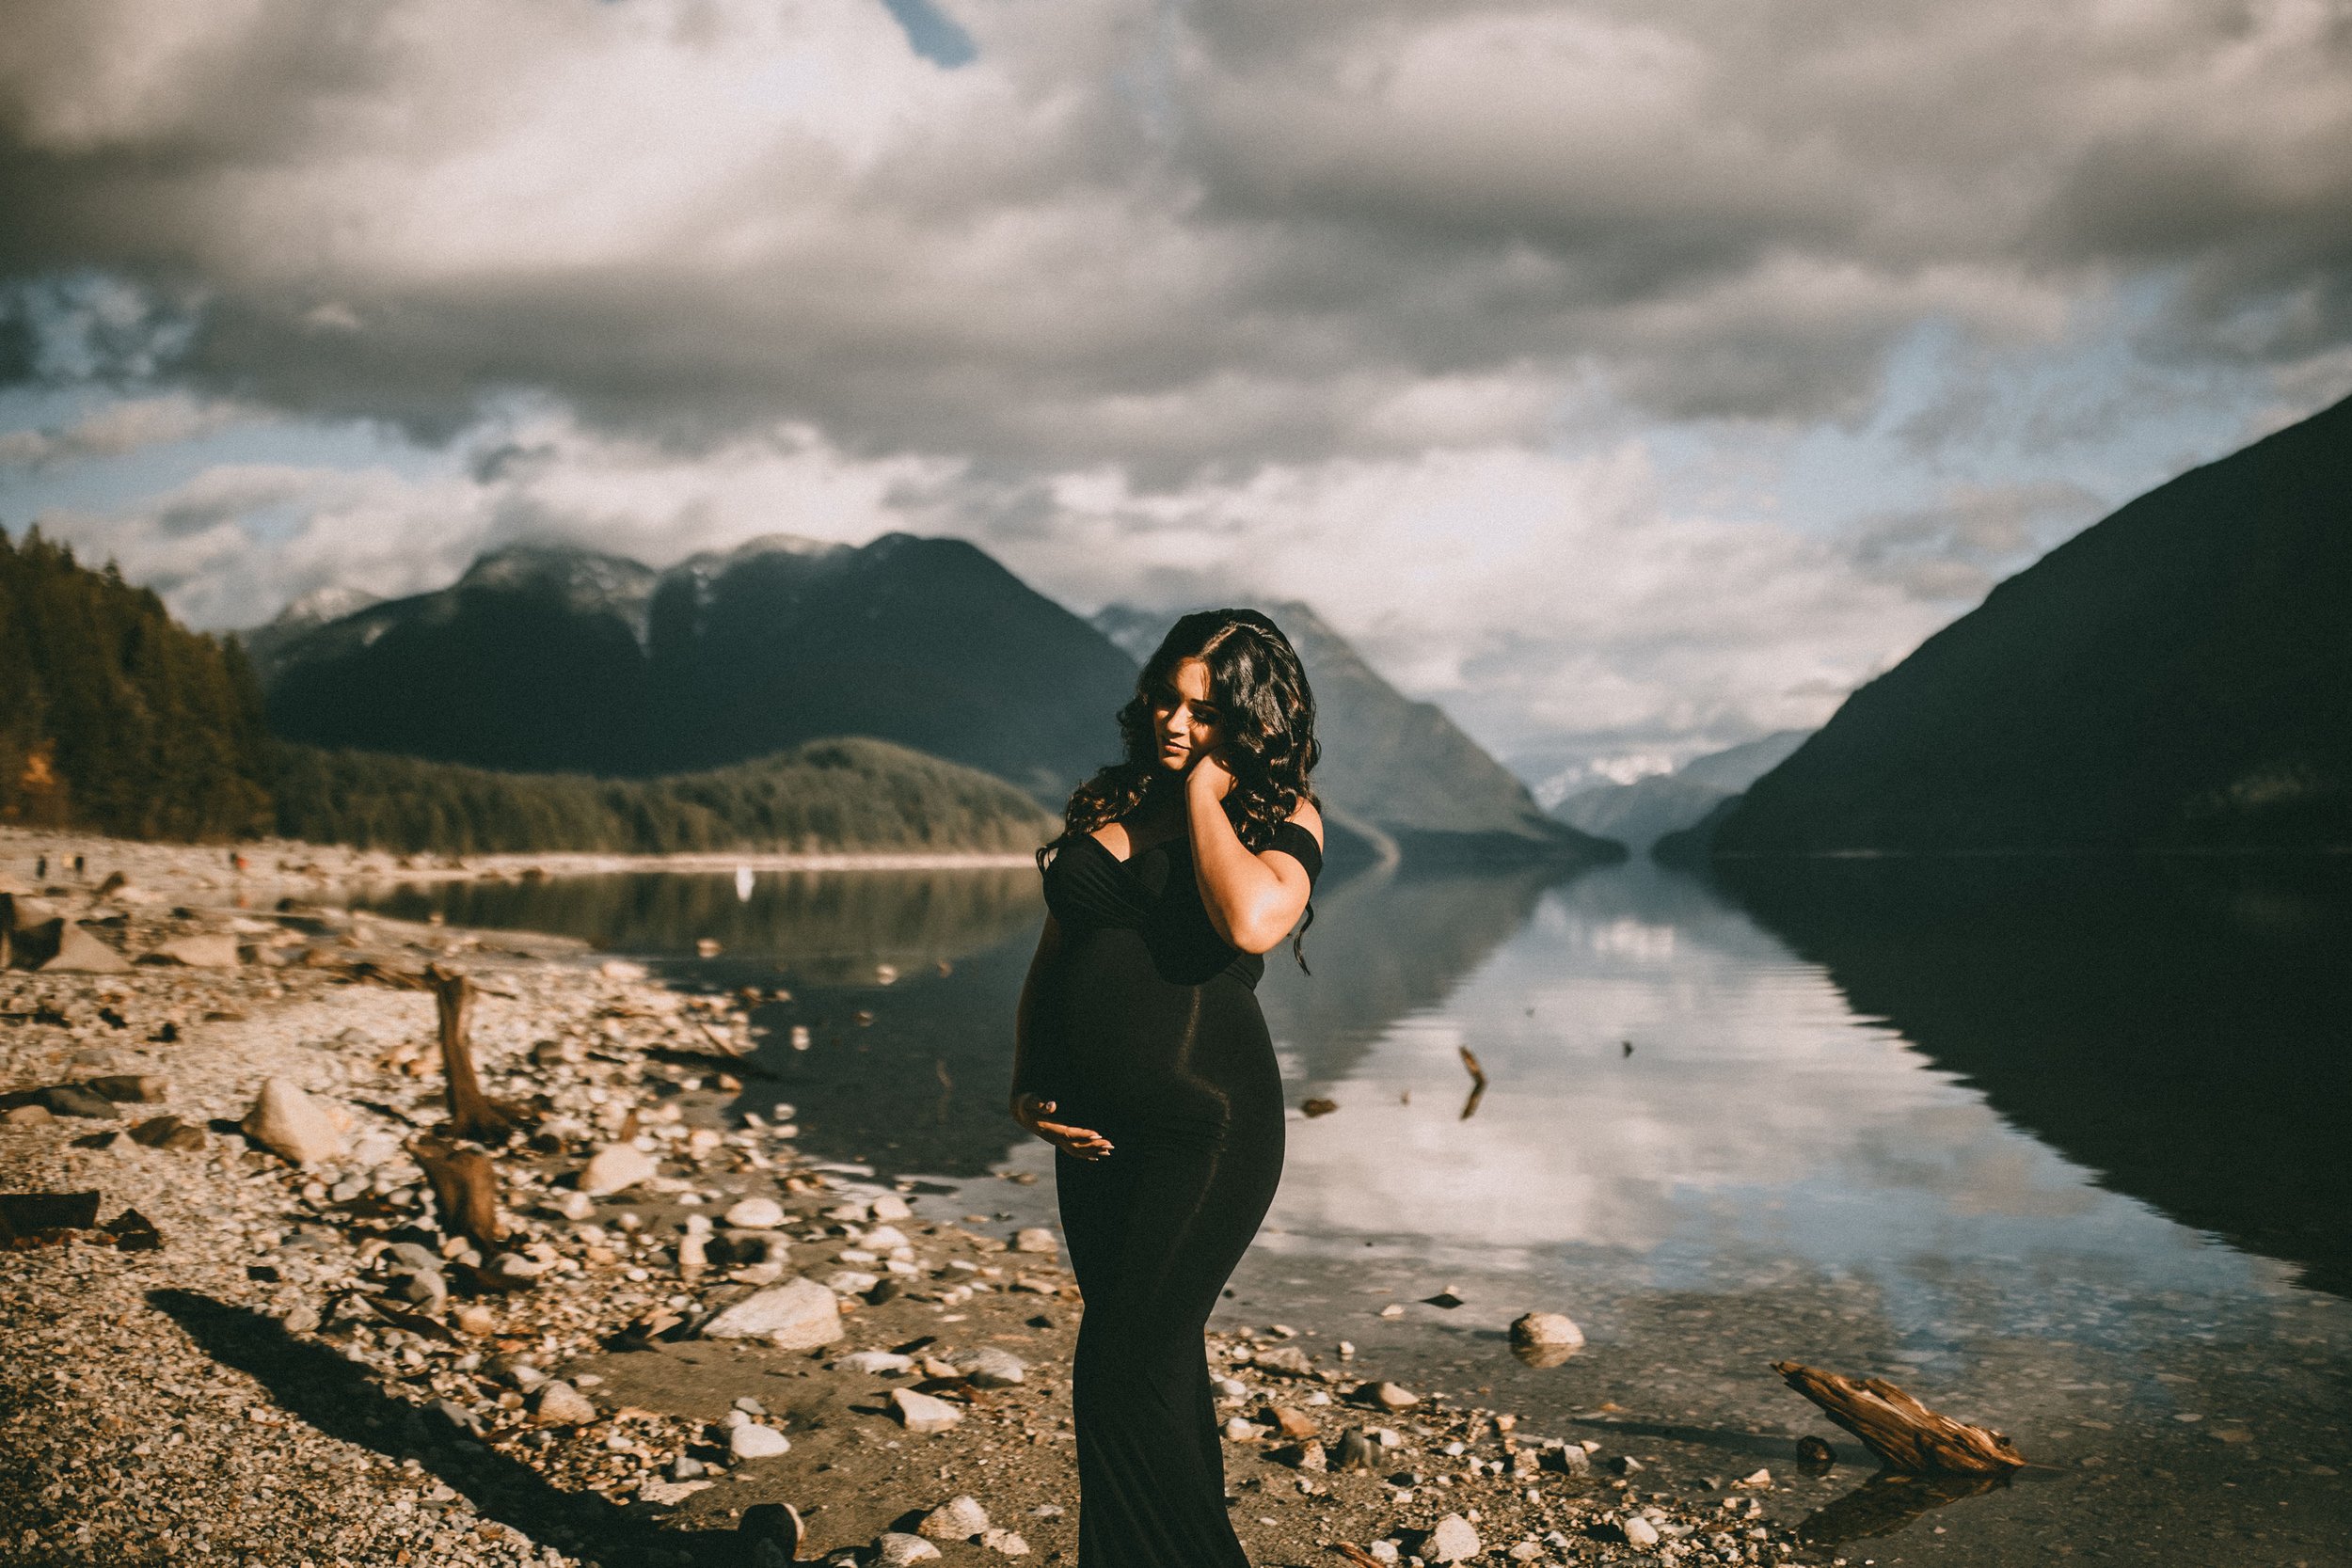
(312, 1368)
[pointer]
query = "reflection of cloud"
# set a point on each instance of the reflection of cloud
(1754, 1108)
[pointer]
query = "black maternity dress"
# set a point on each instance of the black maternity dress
(1146, 1028)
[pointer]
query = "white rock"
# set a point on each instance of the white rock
(883, 1237)
(557, 1403)
(200, 952)
(893, 1550)
(615, 1169)
(799, 1314)
(1004, 1543)
(1453, 1540)
(1035, 1239)
(292, 1125)
(79, 953)
(1391, 1397)
(1545, 1339)
(890, 1206)
(1239, 1430)
(921, 1413)
(1640, 1532)
(756, 1213)
(956, 1519)
(752, 1441)
(990, 1366)
(874, 1362)
(851, 1282)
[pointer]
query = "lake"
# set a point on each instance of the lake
(2063, 1148)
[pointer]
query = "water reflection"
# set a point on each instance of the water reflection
(2182, 1029)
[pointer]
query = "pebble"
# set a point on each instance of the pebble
(1452, 1540)
(754, 1441)
(890, 1206)
(1640, 1532)
(989, 1367)
(1004, 1543)
(956, 1519)
(1390, 1396)
(874, 1362)
(922, 1413)
(756, 1213)
(893, 1549)
(558, 1404)
(799, 1314)
(1545, 1339)
(290, 1124)
(1035, 1239)
(71, 1100)
(615, 1169)
(200, 952)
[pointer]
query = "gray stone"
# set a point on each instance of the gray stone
(615, 1169)
(425, 1287)
(1356, 1451)
(956, 1519)
(1390, 1396)
(411, 1255)
(1638, 1532)
(1004, 1543)
(292, 1125)
(874, 1362)
(71, 1100)
(512, 1271)
(1570, 1459)
(1035, 1239)
(799, 1314)
(890, 1206)
(557, 1403)
(990, 1366)
(1285, 1359)
(921, 1413)
(895, 1550)
(752, 1441)
(28, 1115)
(1452, 1541)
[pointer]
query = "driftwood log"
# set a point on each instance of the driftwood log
(466, 1185)
(471, 1113)
(1907, 1437)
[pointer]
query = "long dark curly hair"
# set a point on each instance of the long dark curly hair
(1269, 720)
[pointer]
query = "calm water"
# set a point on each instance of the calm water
(2067, 1151)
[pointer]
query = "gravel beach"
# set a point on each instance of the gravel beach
(268, 1344)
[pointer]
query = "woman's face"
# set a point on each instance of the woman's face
(1185, 717)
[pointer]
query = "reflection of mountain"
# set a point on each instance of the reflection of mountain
(1394, 769)
(2184, 1031)
(1383, 946)
(812, 923)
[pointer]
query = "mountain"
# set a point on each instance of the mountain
(266, 643)
(2178, 675)
(1396, 772)
(1638, 813)
(112, 716)
(549, 659)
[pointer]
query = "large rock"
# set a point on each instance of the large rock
(199, 951)
(1453, 1540)
(72, 1100)
(799, 1314)
(1545, 1339)
(292, 1125)
(921, 1413)
(80, 953)
(956, 1519)
(893, 1550)
(615, 1169)
(754, 1441)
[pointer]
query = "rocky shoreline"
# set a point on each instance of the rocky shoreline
(688, 1343)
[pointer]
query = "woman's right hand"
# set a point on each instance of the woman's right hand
(1081, 1143)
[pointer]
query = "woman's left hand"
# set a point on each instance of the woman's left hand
(1210, 773)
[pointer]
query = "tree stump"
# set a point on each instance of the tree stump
(466, 1185)
(471, 1113)
(1907, 1437)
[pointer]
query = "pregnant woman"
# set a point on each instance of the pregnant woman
(1142, 1058)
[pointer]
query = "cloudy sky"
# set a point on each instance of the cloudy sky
(1632, 378)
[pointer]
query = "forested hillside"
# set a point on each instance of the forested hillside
(851, 795)
(114, 717)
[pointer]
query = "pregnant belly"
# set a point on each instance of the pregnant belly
(1143, 1053)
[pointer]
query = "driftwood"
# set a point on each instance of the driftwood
(1478, 1082)
(471, 1113)
(466, 1185)
(1907, 1437)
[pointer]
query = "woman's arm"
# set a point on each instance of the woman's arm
(1029, 1104)
(1252, 900)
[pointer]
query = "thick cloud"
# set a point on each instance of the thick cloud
(1401, 309)
(1165, 237)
